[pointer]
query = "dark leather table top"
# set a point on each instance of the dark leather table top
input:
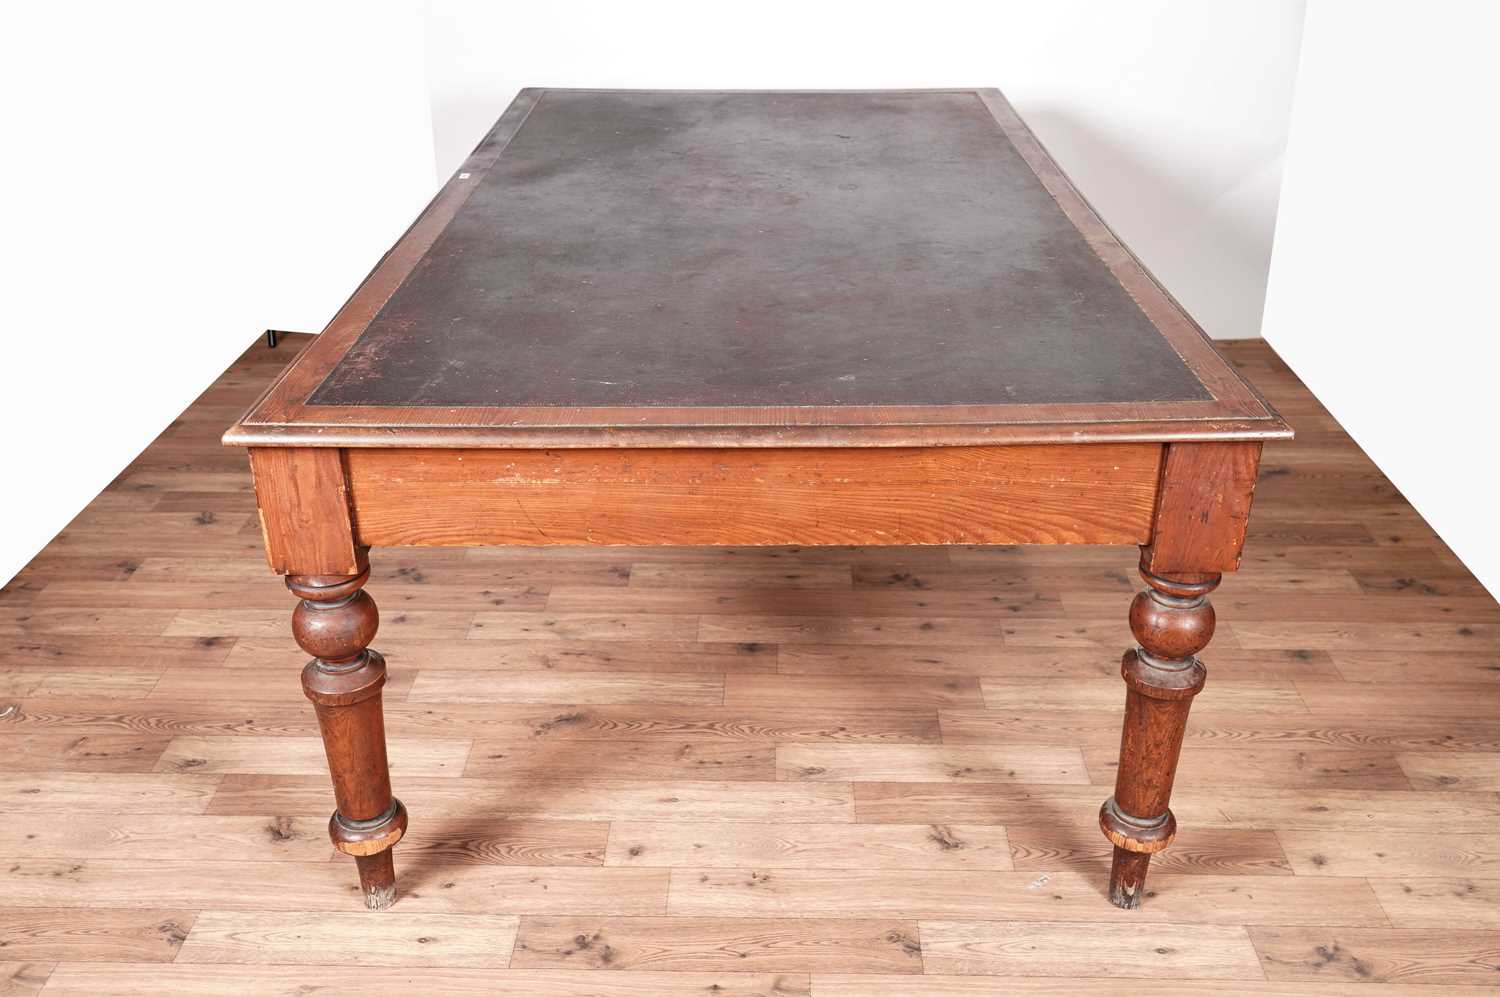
(905, 253)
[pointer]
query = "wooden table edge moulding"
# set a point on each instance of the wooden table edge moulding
(332, 480)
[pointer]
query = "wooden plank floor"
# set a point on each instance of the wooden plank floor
(735, 772)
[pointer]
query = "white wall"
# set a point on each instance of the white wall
(1383, 282)
(1170, 115)
(177, 177)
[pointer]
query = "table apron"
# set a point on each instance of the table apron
(1038, 494)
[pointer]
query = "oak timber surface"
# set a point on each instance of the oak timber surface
(922, 495)
(693, 249)
(618, 262)
(896, 797)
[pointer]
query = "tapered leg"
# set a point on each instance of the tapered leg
(335, 622)
(1172, 621)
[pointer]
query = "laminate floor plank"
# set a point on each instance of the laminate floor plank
(794, 601)
(777, 845)
(118, 651)
(934, 630)
(1412, 667)
(1290, 768)
(828, 985)
(764, 575)
(725, 944)
(1440, 903)
(26, 979)
(849, 692)
(188, 685)
(280, 716)
(1379, 955)
(583, 626)
(1352, 699)
(1242, 808)
(123, 792)
(1030, 664)
(66, 752)
(930, 763)
(556, 657)
(1393, 731)
(1439, 634)
(1473, 772)
(1060, 895)
(1117, 951)
(1377, 853)
(304, 756)
(442, 685)
(41, 622)
(275, 622)
(457, 841)
(568, 799)
(44, 934)
(201, 884)
(203, 980)
(142, 837)
(314, 937)
(610, 723)
(1207, 850)
(1038, 698)
(643, 760)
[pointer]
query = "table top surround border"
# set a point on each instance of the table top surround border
(282, 416)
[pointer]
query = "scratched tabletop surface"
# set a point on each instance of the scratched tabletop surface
(620, 254)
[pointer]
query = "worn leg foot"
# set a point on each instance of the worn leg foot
(335, 622)
(1172, 620)
(377, 878)
(1127, 877)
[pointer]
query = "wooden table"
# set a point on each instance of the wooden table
(757, 318)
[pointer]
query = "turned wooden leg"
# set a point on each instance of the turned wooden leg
(334, 622)
(1172, 621)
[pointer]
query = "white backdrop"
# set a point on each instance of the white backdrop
(179, 176)
(1383, 282)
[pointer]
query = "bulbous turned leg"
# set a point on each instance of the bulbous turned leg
(335, 622)
(1172, 621)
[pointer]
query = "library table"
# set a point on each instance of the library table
(672, 317)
